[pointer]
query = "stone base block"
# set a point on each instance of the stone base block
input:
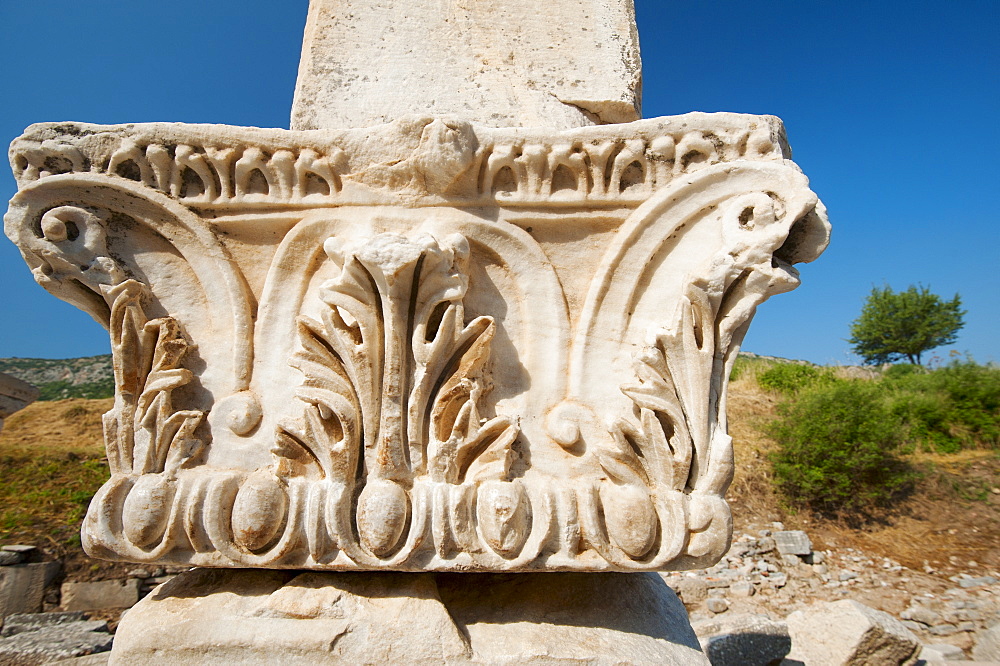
(210, 616)
(22, 588)
(100, 594)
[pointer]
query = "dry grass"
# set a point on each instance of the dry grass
(51, 463)
(60, 426)
(752, 495)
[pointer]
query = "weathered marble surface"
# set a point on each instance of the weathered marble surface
(220, 617)
(501, 63)
(427, 345)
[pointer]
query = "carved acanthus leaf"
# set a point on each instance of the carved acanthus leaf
(658, 450)
(330, 430)
(144, 433)
(394, 371)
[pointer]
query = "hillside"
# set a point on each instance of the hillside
(949, 518)
(90, 377)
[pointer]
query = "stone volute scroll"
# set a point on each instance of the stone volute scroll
(415, 337)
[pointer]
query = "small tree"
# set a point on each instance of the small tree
(894, 326)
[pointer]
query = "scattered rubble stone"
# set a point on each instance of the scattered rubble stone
(779, 579)
(22, 588)
(52, 643)
(792, 542)
(945, 629)
(848, 633)
(977, 582)
(690, 589)
(8, 558)
(791, 560)
(967, 614)
(100, 595)
(51, 597)
(780, 587)
(28, 553)
(160, 580)
(802, 571)
(743, 640)
(920, 614)
(942, 652)
(717, 604)
(96, 659)
(22, 622)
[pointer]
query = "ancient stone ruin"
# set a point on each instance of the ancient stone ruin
(487, 331)
(14, 395)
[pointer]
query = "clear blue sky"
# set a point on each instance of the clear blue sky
(892, 109)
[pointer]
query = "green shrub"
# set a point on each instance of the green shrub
(789, 378)
(900, 370)
(954, 407)
(923, 418)
(837, 444)
(62, 389)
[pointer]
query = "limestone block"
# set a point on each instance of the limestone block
(22, 588)
(501, 63)
(717, 604)
(793, 542)
(101, 594)
(216, 617)
(936, 652)
(743, 640)
(22, 622)
(14, 395)
(8, 558)
(692, 590)
(847, 633)
(921, 614)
